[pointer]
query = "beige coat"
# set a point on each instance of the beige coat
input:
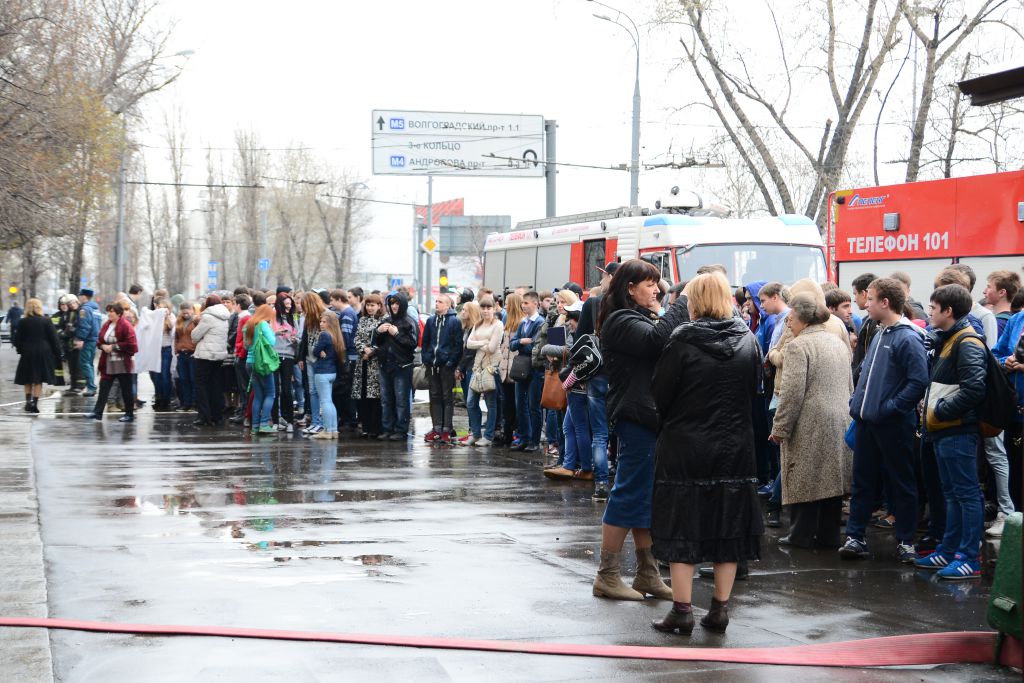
(812, 417)
(776, 355)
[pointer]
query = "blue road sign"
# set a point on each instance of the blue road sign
(395, 282)
(264, 264)
(396, 124)
(397, 161)
(212, 265)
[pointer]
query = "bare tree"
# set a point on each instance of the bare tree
(180, 248)
(249, 169)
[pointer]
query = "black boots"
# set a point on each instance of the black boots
(678, 620)
(31, 404)
(717, 618)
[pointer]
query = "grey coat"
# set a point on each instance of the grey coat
(812, 417)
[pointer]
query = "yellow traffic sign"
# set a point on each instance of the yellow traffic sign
(429, 245)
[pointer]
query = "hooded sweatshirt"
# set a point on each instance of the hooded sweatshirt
(397, 351)
(766, 325)
(894, 375)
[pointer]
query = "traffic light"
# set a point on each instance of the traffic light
(13, 289)
(443, 281)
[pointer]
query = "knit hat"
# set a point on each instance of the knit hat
(85, 291)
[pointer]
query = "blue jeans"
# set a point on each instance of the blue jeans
(262, 400)
(162, 384)
(395, 388)
(597, 391)
(87, 357)
(884, 451)
(578, 451)
(300, 395)
(314, 399)
(187, 379)
(324, 386)
(553, 427)
(965, 511)
(476, 415)
(528, 407)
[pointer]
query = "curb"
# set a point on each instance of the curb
(24, 653)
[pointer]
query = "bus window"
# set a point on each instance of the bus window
(748, 263)
(593, 259)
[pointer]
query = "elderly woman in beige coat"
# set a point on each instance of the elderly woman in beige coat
(810, 422)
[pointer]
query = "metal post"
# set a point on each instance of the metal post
(119, 237)
(345, 234)
(263, 248)
(634, 162)
(430, 233)
(550, 168)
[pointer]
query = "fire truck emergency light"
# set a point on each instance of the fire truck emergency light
(891, 222)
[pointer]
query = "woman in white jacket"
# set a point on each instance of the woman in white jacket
(485, 338)
(211, 338)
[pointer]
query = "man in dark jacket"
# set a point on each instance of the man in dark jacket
(951, 424)
(441, 351)
(348, 321)
(892, 381)
(396, 344)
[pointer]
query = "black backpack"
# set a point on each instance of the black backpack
(585, 357)
(998, 410)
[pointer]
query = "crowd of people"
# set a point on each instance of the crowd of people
(681, 404)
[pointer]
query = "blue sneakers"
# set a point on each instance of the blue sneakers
(961, 569)
(853, 549)
(935, 561)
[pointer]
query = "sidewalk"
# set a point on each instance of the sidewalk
(24, 653)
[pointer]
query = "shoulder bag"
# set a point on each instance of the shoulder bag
(553, 396)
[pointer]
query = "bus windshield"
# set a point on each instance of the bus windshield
(748, 263)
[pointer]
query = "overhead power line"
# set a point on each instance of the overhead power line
(218, 185)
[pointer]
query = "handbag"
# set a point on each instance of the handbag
(420, 378)
(553, 396)
(482, 381)
(522, 368)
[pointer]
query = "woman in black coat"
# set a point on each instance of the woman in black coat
(705, 499)
(37, 343)
(632, 338)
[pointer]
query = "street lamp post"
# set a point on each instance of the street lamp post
(634, 162)
(347, 235)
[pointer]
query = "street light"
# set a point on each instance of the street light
(634, 162)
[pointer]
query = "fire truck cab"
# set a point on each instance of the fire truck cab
(547, 253)
(919, 228)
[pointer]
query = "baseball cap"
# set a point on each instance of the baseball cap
(609, 268)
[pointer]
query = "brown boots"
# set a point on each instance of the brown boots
(717, 618)
(648, 577)
(608, 583)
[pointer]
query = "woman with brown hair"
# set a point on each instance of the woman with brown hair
(705, 506)
(366, 384)
(312, 308)
(329, 352)
(514, 316)
(632, 338)
(184, 350)
(259, 328)
(35, 339)
(117, 344)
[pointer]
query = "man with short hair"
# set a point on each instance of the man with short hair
(773, 297)
(868, 327)
(1001, 287)
(355, 299)
(442, 350)
(905, 283)
(884, 406)
(951, 424)
(134, 294)
(983, 315)
(528, 391)
(87, 332)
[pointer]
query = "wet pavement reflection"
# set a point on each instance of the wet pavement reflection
(160, 522)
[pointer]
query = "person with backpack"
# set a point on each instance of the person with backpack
(957, 387)
(262, 361)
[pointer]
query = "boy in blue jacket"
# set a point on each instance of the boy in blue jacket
(441, 351)
(893, 379)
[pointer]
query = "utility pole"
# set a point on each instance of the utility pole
(264, 239)
(430, 233)
(550, 168)
(344, 235)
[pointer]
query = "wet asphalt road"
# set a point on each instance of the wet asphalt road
(157, 522)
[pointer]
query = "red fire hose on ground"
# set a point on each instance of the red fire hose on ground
(970, 647)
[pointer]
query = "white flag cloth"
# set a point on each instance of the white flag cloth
(149, 335)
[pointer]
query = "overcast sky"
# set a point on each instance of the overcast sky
(310, 72)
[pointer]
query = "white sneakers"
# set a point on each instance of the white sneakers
(996, 530)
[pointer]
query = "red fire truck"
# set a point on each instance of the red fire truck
(920, 227)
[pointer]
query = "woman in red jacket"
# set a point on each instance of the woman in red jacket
(117, 344)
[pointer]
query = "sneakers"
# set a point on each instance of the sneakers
(471, 441)
(289, 428)
(484, 442)
(906, 553)
(961, 569)
(888, 522)
(774, 519)
(322, 435)
(926, 545)
(996, 530)
(933, 562)
(432, 435)
(765, 491)
(854, 549)
(558, 473)
(600, 492)
(313, 429)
